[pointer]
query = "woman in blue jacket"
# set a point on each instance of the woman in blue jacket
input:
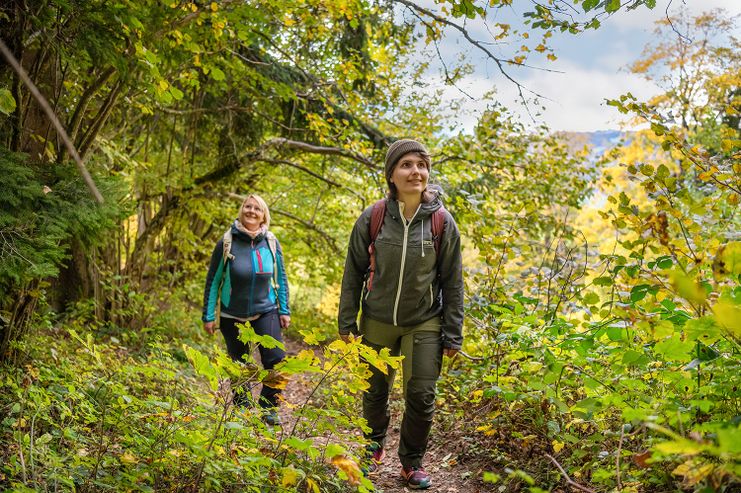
(248, 279)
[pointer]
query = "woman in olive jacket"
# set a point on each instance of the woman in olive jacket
(413, 306)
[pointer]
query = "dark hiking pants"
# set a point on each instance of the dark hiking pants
(267, 324)
(421, 346)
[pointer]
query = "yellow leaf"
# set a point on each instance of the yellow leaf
(728, 316)
(128, 458)
(551, 57)
(688, 288)
(350, 467)
(312, 484)
(290, 477)
(276, 380)
(693, 473)
(729, 145)
(540, 48)
(732, 257)
(557, 446)
(214, 6)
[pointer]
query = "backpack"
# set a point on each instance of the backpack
(376, 223)
(272, 244)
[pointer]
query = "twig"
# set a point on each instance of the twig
(314, 149)
(472, 358)
(307, 224)
(569, 481)
(617, 459)
(55, 121)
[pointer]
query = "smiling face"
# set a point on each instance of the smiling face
(251, 215)
(410, 175)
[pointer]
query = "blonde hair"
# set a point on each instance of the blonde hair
(263, 207)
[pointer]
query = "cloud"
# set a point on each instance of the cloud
(643, 18)
(576, 98)
(594, 65)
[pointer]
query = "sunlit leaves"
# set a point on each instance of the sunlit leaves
(7, 102)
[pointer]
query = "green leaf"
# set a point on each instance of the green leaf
(639, 292)
(7, 102)
(603, 281)
(729, 440)
(702, 329)
(612, 6)
(589, 5)
(664, 262)
(591, 299)
(217, 73)
(634, 358)
(490, 477)
(674, 349)
(334, 450)
(203, 366)
(615, 333)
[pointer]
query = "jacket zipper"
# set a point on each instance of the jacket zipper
(432, 301)
(403, 259)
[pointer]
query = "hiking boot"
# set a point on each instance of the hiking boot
(415, 477)
(271, 417)
(374, 453)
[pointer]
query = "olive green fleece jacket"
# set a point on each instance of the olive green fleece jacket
(410, 285)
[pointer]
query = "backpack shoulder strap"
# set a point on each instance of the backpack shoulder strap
(376, 223)
(273, 245)
(227, 254)
(438, 227)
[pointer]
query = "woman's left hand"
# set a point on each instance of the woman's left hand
(285, 321)
(450, 352)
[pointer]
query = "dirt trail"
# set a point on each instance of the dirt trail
(441, 460)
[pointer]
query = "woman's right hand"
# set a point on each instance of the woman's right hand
(210, 327)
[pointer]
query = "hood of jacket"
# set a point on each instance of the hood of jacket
(242, 235)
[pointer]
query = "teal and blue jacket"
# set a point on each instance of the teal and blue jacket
(245, 283)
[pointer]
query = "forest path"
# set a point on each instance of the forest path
(448, 476)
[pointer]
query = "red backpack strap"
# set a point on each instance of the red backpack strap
(376, 222)
(438, 227)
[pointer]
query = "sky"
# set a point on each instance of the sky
(593, 67)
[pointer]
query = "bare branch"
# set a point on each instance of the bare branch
(569, 481)
(313, 149)
(310, 172)
(478, 44)
(53, 117)
(307, 224)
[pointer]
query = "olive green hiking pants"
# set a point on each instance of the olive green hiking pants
(421, 346)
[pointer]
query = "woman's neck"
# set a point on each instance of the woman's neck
(411, 204)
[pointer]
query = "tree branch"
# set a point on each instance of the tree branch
(313, 149)
(569, 481)
(307, 224)
(498, 61)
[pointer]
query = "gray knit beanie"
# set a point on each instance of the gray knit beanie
(397, 150)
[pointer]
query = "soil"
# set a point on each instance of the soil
(441, 461)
